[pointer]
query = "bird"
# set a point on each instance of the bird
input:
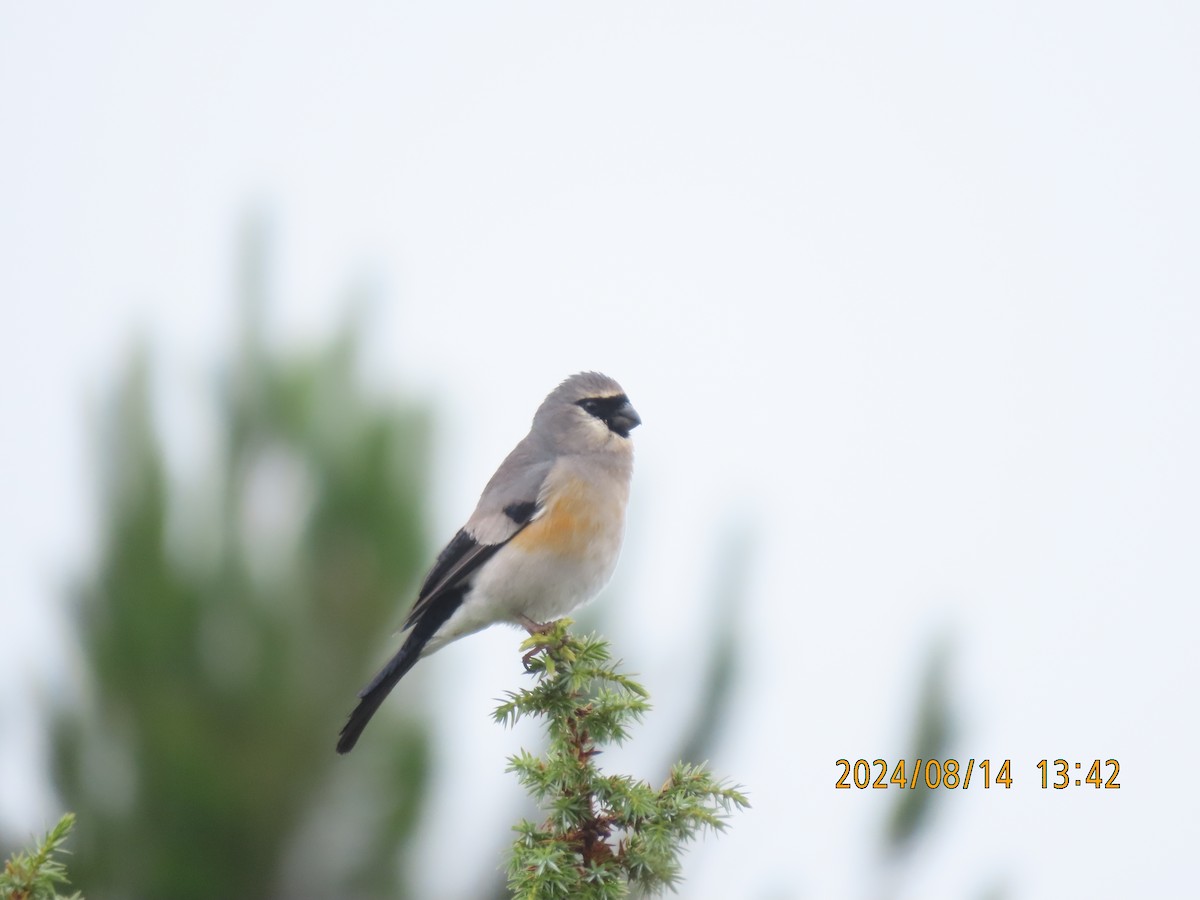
(542, 541)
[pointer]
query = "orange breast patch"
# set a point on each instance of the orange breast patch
(566, 528)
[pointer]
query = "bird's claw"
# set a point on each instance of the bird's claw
(536, 628)
(528, 657)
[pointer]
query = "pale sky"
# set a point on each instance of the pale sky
(910, 292)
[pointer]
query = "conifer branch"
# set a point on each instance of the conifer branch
(603, 833)
(33, 876)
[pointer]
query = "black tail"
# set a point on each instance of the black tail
(370, 697)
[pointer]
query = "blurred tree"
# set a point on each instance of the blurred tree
(933, 732)
(722, 656)
(225, 632)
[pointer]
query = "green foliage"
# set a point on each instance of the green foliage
(723, 647)
(35, 875)
(227, 626)
(910, 817)
(931, 738)
(603, 833)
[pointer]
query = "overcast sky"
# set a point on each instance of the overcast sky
(910, 293)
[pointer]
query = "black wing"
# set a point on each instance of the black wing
(442, 593)
(461, 558)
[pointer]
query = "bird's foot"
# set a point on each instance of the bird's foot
(536, 628)
(530, 655)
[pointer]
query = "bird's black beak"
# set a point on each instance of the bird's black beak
(624, 419)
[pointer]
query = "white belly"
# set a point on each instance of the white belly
(560, 561)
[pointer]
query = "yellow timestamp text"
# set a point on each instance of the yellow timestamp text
(930, 773)
(1060, 774)
(878, 774)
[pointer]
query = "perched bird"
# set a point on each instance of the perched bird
(542, 541)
